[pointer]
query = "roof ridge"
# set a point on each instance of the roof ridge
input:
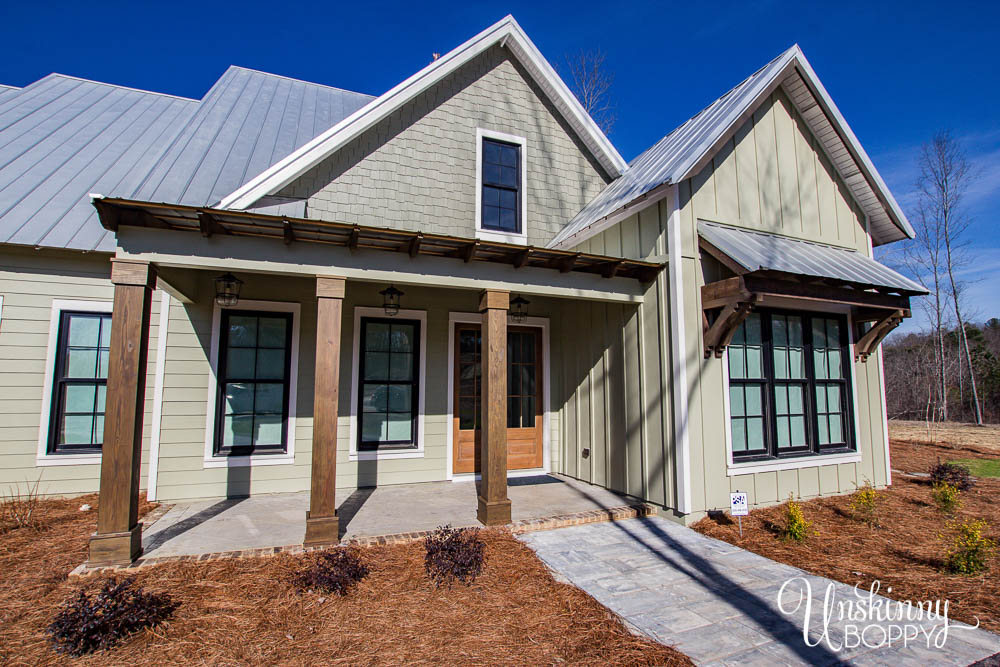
(297, 80)
(105, 83)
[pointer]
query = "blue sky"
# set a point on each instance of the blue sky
(898, 71)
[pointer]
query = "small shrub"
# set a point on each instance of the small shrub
(90, 622)
(796, 527)
(952, 474)
(17, 509)
(865, 502)
(332, 572)
(453, 553)
(947, 497)
(970, 550)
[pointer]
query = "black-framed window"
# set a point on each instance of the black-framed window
(389, 383)
(255, 354)
(789, 385)
(79, 388)
(501, 195)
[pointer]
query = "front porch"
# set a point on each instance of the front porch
(224, 527)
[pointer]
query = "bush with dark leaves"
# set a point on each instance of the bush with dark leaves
(332, 572)
(453, 553)
(952, 474)
(95, 621)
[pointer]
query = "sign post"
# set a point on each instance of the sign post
(739, 507)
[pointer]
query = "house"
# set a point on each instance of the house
(289, 287)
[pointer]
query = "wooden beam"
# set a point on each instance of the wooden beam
(322, 523)
(566, 264)
(611, 268)
(521, 258)
(493, 505)
(289, 233)
(354, 238)
(769, 287)
(466, 252)
(209, 224)
(118, 540)
(866, 345)
(722, 257)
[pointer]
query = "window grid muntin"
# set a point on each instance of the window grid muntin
(810, 385)
(501, 187)
(412, 384)
(225, 380)
(63, 381)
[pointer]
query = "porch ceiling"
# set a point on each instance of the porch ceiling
(208, 222)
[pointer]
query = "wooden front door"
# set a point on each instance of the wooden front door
(524, 398)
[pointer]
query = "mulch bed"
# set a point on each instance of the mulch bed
(905, 553)
(247, 612)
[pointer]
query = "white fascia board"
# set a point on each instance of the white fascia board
(506, 31)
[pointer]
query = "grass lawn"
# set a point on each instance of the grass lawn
(906, 552)
(981, 467)
(246, 612)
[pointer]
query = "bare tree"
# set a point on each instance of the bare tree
(945, 176)
(591, 83)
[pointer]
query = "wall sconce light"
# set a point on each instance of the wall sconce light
(227, 290)
(519, 310)
(390, 300)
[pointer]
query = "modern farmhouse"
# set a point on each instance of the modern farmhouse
(289, 287)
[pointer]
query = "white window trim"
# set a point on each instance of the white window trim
(750, 467)
(212, 461)
(44, 458)
(476, 318)
(377, 455)
(489, 234)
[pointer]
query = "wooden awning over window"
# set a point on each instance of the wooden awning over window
(772, 269)
(209, 222)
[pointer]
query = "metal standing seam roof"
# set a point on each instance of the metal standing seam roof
(62, 138)
(760, 251)
(672, 159)
(7, 92)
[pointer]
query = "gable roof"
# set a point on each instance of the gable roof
(685, 151)
(62, 137)
(248, 121)
(7, 92)
(507, 33)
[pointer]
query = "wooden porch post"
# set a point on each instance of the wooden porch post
(494, 506)
(118, 540)
(322, 524)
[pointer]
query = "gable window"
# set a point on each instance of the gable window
(789, 392)
(389, 383)
(254, 367)
(500, 180)
(80, 383)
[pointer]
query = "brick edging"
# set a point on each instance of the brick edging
(523, 526)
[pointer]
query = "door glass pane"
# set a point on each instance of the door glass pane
(513, 413)
(467, 409)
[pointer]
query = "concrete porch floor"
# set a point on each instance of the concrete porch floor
(210, 526)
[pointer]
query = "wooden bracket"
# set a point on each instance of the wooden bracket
(209, 224)
(413, 247)
(355, 236)
(873, 337)
(721, 331)
(289, 233)
(566, 264)
(611, 268)
(467, 252)
(522, 258)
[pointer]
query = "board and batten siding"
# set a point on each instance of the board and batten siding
(182, 472)
(615, 365)
(30, 280)
(771, 176)
(416, 170)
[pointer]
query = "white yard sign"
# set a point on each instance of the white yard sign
(738, 504)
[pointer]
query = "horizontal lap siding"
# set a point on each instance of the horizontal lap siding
(771, 176)
(616, 394)
(29, 282)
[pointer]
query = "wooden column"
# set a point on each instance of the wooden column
(494, 506)
(322, 524)
(118, 540)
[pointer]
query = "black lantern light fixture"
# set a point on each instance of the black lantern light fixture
(390, 300)
(227, 289)
(519, 309)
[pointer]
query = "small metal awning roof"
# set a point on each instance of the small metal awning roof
(210, 221)
(745, 251)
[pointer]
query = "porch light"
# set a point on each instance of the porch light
(519, 310)
(227, 289)
(390, 300)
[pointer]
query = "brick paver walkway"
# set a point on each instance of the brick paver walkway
(719, 604)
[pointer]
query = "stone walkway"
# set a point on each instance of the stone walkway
(719, 605)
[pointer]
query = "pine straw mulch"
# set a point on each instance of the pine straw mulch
(247, 612)
(905, 553)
